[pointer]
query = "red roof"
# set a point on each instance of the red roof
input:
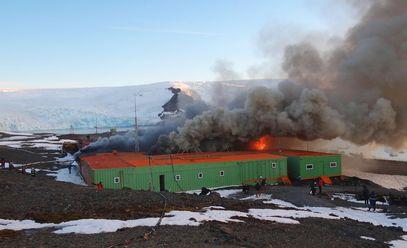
(300, 153)
(131, 159)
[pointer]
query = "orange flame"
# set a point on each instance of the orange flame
(262, 144)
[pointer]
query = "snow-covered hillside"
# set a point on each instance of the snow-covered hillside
(43, 109)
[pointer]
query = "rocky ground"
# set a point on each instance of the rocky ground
(44, 200)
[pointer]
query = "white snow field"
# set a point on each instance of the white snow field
(46, 109)
(51, 143)
(215, 213)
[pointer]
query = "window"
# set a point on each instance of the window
(177, 177)
(116, 180)
(309, 166)
(221, 173)
(273, 165)
(200, 175)
(333, 164)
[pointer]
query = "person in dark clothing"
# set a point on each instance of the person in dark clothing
(205, 191)
(33, 172)
(258, 188)
(263, 182)
(312, 186)
(320, 185)
(3, 163)
(70, 168)
(372, 201)
(245, 188)
(365, 195)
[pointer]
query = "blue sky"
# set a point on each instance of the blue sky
(75, 43)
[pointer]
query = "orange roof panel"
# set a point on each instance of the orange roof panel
(130, 159)
(300, 153)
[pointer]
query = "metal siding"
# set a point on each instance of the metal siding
(236, 172)
(321, 166)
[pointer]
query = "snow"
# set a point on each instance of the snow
(400, 243)
(397, 182)
(16, 133)
(63, 175)
(51, 143)
(225, 193)
(215, 213)
(254, 197)
(351, 198)
(280, 203)
(367, 238)
(111, 106)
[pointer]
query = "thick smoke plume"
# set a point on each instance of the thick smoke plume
(148, 137)
(356, 92)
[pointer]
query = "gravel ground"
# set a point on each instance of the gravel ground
(43, 199)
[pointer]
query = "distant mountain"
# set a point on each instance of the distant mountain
(43, 109)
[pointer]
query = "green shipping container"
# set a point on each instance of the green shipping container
(186, 173)
(308, 165)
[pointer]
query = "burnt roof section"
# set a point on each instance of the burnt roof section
(131, 159)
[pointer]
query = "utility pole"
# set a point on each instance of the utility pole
(96, 126)
(136, 141)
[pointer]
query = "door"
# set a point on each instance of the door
(162, 183)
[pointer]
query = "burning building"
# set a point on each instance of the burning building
(191, 171)
(180, 172)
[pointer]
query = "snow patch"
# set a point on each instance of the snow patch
(63, 175)
(367, 238)
(396, 182)
(400, 243)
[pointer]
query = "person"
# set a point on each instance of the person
(23, 169)
(10, 165)
(263, 181)
(3, 163)
(70, 168)
(312, 186)
(86, 142)
(320, 185)
(372, 201)
(365, 195)
(33, 172)
(99, 185)
(205, 191)
(245, 188)
(258, 188)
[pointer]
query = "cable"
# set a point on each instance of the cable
(173, 173)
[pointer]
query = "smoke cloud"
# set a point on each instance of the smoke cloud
(355, 91)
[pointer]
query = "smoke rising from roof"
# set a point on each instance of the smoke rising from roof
(356, 91)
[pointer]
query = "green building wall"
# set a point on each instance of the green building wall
(235, 173)
(297, 166)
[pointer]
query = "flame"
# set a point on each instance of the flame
(262, 144)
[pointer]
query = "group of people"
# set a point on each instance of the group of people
(316, 184)
(4, 164)
(370, 198)
(259, 186)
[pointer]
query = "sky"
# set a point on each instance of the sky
(88, 43)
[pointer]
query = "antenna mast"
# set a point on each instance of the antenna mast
(136, 141)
